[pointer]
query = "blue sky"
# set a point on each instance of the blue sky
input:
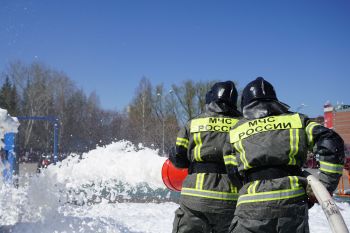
(301, 47)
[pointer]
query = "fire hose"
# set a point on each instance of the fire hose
(330, 209)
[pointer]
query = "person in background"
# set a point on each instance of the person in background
(270, 145)
(208, 198)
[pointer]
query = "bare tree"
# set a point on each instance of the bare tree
(141, 115)
(185, 94)
(37, 96)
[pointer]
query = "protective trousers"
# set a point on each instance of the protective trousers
(295, 223)
(191, 221)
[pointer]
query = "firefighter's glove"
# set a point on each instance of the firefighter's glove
(311, 198)
(179, 160)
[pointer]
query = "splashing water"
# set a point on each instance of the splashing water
(119, 173)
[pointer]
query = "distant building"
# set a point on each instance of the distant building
(338, 119)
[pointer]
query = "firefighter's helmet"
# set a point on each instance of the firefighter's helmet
(223, 92)
(259, 89)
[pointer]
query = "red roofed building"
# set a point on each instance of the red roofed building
(338, 119)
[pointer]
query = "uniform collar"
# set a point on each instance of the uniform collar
(260, 109)
(222, 108)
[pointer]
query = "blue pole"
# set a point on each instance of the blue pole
(10, 160)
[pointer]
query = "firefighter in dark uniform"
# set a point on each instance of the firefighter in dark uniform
(270, 145)
(208, 198)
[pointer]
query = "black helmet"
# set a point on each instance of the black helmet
(222, 92)
(259, 89)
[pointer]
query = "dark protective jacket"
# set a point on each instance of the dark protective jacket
(199, 147)
(270, 152)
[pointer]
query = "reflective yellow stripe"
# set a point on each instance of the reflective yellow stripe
(294, 145)
(297, 137)
(291, 143)
(200, 181)
(294, 182)
(218, 124)
(197, 149)
(182, 142)
(252, 187)
(291, 182)
(309, 134)
(185, 140)
(241, 151)
(271, 196)
(255, 184)
(249, 189)
(230, 160)
(297, 185)
(331, 167)
(265, 124)
(233, 188)
(226, 196)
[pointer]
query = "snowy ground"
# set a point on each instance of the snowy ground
(135, 199)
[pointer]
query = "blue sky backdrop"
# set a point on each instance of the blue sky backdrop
(301, 47)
